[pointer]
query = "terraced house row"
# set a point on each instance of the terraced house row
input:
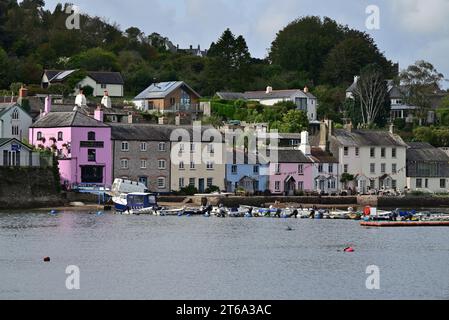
(168, 158)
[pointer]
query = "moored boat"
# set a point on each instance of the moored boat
(135, 203)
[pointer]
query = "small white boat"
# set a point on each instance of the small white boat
(135, 203)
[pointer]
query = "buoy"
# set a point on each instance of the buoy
(53, 212)
(47, 259)
(367, 211)
(349, 249)
(99, 213)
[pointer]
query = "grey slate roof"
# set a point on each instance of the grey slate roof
(359, 138)
(4, 107)
(101, 77)
(292, 156)
(230, 95)
(162, 89)
(67, 119)
(263, 95)
(421, 151)
(140, 132)
(321, 156)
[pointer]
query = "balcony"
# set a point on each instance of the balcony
(179, 107)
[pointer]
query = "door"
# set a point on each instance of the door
(92, 174)
(201, 185)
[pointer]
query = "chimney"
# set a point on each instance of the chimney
(106, 101)
(356, 79)
(305, 145)
(47, 107)
(269, 90)
(348, 126)
(178, 120)
(130, 118)
(23, 92)
(98, 114)
(191, 47)
(392, 128)
(306, 90)
(324, 135)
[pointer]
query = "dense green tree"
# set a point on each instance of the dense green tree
(294, 121)
(330, 100)
(95, 59)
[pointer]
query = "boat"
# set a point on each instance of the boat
(135, 203)
(398, 224)
(123, 186)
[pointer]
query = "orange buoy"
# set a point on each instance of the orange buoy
(367, 211)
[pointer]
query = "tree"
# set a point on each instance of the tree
(294, 121)
(371, 95)
(421, 80)
(95, 59)
(330, 102)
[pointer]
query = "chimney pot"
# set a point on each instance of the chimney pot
(47, 107)
(269, 89)
(98, 114)
(306, 90)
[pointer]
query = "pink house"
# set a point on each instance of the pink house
(82, 143)
(292, 173)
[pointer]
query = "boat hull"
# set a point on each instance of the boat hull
(405, 224)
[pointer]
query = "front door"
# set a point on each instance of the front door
(201, 185)
(92, 174)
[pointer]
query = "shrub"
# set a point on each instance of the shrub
(212, 189)
(188, 191)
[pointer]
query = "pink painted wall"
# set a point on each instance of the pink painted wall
(70, 168)
(290, 169)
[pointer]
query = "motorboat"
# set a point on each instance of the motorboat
(135, 203)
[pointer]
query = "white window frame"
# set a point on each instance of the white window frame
(125, 146)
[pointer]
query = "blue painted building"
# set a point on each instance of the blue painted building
(250, 175)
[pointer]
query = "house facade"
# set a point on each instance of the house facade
(100, 81)
(375, 159)
(169, 97)
(142, 153)
(303, 99)
(427, 168)
(326, 174)
(82, 144)
(292, 173)
(14, 153)
(14, 121)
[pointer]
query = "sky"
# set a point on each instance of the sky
(409, 30)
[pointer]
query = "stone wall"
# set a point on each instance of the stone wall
(22, 188)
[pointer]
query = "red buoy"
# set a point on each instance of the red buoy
(349, 249)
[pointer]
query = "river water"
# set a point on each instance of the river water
(143, 257)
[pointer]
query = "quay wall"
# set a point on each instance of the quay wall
(25, 188)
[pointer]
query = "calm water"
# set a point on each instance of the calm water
(142, 257)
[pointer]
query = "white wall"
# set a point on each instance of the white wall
(433, 185)
(114, 90)
(6, 123)
(24, 154)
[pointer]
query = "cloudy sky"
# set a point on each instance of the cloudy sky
(409, 29)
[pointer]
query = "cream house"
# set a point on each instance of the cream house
(375, 159)
(14, 121)
(196, 161)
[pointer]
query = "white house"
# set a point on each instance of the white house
(14, 153)
(100, 81)
(376, 159)
(14, 121)
(303, 99)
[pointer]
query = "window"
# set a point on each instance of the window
(357, 152)
(345, 168)
(192, 165)
(15, 114)
(301, 185)
(234, 169)
(372, 152)
(143, 147)
(394, 168)
(181, 148)
(443, 183)
(60, 136)
(383, 152)
(172, 101)
(124, 163)
(192, 182)
(181, 183)
(419, 183)
(331, 168)
(320, 168)
(210, 182)
(383, 168)
(372, 184)
(210, 148)
(300, 169)
(162, 146)
(91, 136)
(161, 183)
(125, 146)
(277, 186)
(256, 169)
(192, 148)
(394, 184)
(372, 168)
(39, 136)
(393, 153)
(103, 86)
(278, 168)
(346, 151)
(427, 183)
(143, 164)
(181, 165)
(162, 164)
(91, 155)
(210, 165)
(15, 130)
